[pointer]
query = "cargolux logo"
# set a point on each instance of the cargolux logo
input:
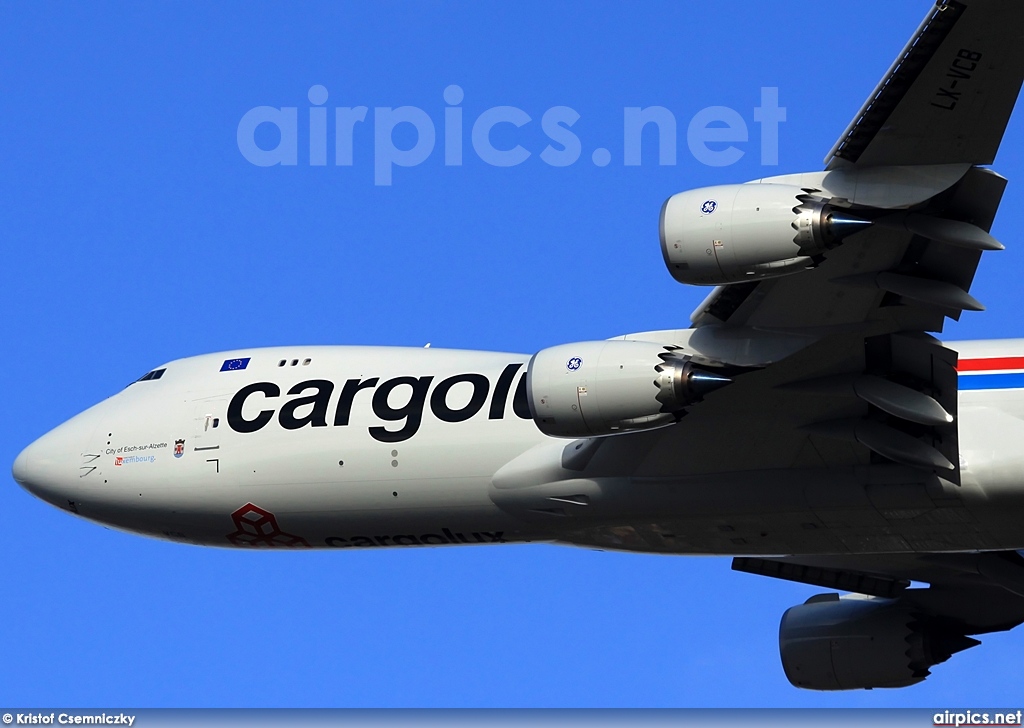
(310, 403)
(258, 527)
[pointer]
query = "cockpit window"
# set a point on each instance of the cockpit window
(155, 374)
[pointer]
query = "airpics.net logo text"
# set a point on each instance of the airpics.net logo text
(716, 136)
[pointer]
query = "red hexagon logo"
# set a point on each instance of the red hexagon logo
(258, 528)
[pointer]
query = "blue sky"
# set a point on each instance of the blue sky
(134, 231)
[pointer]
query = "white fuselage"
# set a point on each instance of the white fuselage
(352, 447)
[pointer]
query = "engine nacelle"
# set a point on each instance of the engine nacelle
(830, 643)
(733, 233)
(605, 387)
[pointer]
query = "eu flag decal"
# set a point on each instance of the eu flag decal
(231, 365)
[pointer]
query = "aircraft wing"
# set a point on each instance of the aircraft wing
(977, 592)
(947, 96)
(869, 303)
(945, 100)
(868, 307)
(832, 456)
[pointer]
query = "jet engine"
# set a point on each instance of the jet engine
(855, 642)
(734, 233)
(605, 387)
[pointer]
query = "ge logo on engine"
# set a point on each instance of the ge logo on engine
(574, 364)
(709, 206)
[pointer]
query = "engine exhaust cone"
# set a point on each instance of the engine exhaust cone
(702, 383)
(841, 225)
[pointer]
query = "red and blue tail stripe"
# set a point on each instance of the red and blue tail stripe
(1003, 372)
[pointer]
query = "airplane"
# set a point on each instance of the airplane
(806, 423)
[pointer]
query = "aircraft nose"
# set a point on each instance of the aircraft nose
(20, 469)
(48, 468)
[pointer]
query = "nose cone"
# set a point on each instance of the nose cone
(20, 469)
(49, 467)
